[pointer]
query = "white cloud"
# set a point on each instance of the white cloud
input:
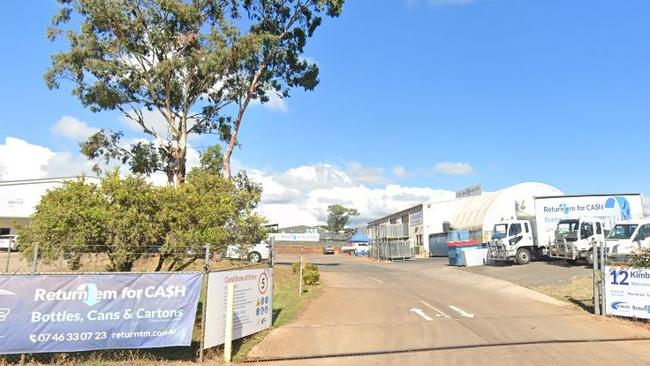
(454, 168)
(21, 160)
(275, 103)
(152, 119)
(361, 174)
(73, 129)
(399, 171)
(301, 195)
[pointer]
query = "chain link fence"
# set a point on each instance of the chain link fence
(391, 250)
(90, 260)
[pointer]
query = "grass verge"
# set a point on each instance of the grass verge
(578, 291)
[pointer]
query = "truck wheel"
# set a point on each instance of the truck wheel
(522, 256)
(254, 257)
(590, 258)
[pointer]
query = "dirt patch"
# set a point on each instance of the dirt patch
(577, 291)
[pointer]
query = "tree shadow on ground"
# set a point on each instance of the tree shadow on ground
(585, 305)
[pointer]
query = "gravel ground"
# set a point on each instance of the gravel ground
(534, 274)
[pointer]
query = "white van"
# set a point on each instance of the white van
(628, 237)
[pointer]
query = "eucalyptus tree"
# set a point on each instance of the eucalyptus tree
(196, 64)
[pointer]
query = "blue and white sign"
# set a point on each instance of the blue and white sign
(68, 313)
(627, 292)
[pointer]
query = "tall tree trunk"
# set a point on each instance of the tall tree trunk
(231, 146)
(180, 155)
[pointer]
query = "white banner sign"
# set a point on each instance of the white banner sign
(627, 291)
(295, 237)
(253, 300)
(611, 209)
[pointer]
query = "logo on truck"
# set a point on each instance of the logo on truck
(623, 205)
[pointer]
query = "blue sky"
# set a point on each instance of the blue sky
(415, 93)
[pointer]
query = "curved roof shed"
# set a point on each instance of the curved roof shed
(482, 212)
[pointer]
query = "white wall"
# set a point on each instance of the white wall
(19, 199)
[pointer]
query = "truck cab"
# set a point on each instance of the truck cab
(627, 238)
(574, 239)
(513, 240)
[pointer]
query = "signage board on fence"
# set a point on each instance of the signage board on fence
(295, 236)
(70, 312)
(253, 301)
(627, 291)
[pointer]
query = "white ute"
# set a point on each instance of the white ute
(627, 238)
(254, 253)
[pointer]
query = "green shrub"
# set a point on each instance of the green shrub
(311, 277)
(310, 267)
(640, 259)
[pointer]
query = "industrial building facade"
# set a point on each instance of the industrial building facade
(426, 225)
(19, 198)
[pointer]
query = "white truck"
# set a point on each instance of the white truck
(556, 226)
(627, 238)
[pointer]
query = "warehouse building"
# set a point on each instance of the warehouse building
(425, 225)
(19, 198)
(478, 214)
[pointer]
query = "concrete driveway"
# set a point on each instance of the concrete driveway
(424, 312)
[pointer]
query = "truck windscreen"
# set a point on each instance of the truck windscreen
(567, 226)
(500, 231)
(622, 231)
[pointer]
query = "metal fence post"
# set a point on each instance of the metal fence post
(8, 257)
(595, 256)
(207, 257)
(272, 253)
(300, 280)
(35, 260)
(603, 258)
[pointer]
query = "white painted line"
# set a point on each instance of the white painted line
(439, 314)
(461, 311)
(422, 314)
(376, 279)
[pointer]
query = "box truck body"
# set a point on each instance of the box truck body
(527, 238)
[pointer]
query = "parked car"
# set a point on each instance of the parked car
(9, 242)
(348, 248)
(361, 249)
(328, 249)
(254, 253)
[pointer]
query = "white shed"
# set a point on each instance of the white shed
(19, 198)
(478, 214)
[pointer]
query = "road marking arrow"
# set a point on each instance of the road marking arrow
(461, 311)
(439, 314)
(422, 314)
